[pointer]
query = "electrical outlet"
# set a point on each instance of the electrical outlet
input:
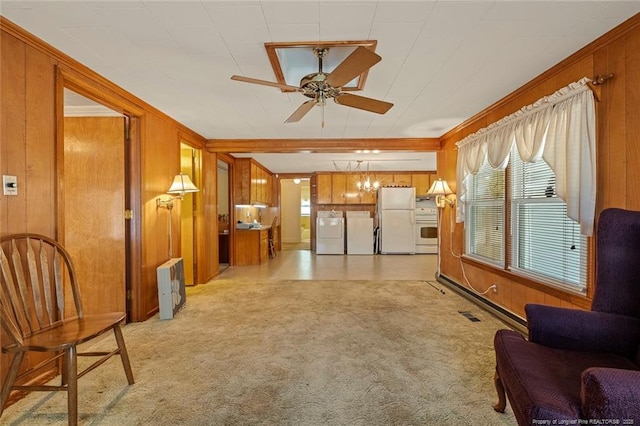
(495, 288)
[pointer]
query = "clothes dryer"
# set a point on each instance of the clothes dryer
(359, 232)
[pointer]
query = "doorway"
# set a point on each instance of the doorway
(190, 160)
(296, 213)
(93, 195)
(224, 215)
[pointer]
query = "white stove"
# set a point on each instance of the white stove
(426, 227)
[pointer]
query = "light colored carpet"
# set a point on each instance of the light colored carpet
(296, 353)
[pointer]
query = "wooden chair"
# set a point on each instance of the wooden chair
(271, 238)
(34, 317)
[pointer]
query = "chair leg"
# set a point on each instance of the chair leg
(11, 377)
(124, 356)
(502, 399)
(70, 369)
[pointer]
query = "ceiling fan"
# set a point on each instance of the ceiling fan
(321, 86)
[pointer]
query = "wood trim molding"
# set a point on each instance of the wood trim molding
(323, 145)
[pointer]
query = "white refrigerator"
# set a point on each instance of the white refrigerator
(396, 208)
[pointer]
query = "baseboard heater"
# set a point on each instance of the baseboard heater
(171, 290)
(505, 316)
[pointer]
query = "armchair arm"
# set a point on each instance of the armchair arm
(588, 331)
(611, 393)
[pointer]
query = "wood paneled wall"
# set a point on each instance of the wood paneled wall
(618, 157)
(31, 74)
(27, 75)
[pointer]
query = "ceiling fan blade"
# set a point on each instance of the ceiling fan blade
(360, 102)
(355, 64)
(264, 82)
(301, 111)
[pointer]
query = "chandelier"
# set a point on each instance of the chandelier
(366, 181)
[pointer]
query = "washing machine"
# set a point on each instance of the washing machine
(329, 232)
(359, 232)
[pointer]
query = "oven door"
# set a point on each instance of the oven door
(426, 234)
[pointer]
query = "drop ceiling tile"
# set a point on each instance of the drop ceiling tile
(618, 10)
(346, 20)
(110, 4)
(62, 13)
(198, 40)
(594, 28)
(178, 13)
(395, 39)
(534, 11)
(112, 47)
(239, 22)
(294, 32)
(422, 65)
(404, 11)
(136, 24)
(454, 19)
(292, 12)
(249, 54)
(217, 67)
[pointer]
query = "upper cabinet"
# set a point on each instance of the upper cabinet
(323, 188)
(252, 183)
(342, 188)
(422, 182)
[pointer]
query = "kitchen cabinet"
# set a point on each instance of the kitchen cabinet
(342, 188)
(251, 246)
(323, 188)
(338, 188)
(252, 183)
(422, 182)
(403, 179)
(352, 195)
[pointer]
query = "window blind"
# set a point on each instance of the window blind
(484, 227)
(545, 243)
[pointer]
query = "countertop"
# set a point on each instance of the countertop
(255, 229)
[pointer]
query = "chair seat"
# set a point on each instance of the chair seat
(70, 332)
(543, 382)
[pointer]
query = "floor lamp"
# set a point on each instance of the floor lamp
(440, 188)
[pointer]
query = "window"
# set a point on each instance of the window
(484, 226)
(305, 207)
(545, 243)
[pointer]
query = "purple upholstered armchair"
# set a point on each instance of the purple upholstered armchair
(581, 366)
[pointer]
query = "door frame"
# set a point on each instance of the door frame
(133, 173)
(195, 173)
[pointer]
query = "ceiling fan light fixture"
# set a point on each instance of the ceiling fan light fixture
(321, 86)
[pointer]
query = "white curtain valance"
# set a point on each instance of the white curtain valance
(559, 128)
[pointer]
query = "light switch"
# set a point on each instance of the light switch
(10, 185)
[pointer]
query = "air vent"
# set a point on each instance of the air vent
(468, 315)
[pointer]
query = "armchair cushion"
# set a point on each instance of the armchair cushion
(609, 393)
(543, 382)
(577, 330)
